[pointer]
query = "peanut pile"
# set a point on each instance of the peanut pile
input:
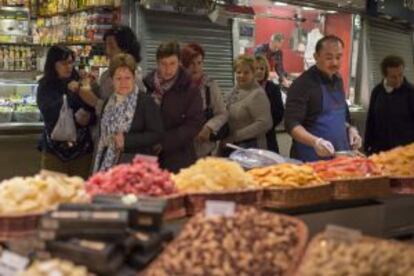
(361, 258)
(249, 243)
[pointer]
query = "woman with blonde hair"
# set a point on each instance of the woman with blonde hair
(275, 98)
(249, 108)
(131, 122)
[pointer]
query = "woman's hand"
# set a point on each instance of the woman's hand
(119, 141)
(73, 86)
(87, 96)
(204, 135)
(82, 117)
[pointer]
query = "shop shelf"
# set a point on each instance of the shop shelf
(69, 12)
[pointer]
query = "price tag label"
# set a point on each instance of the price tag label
(342, 233)
(12, 263)
(216, 208)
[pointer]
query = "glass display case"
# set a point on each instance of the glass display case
(18, 102)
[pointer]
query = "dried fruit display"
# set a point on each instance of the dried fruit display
(346, 167)
(141, 177)
(396, 162)
(327, 256)
(55, 267)
(286, 175)
(249, 243)
(42, 192)
(213, 175)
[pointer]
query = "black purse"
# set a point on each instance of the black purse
(224, 131)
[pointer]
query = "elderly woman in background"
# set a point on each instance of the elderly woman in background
(119, 39)
(249, 108)
(131, 122)
(275, 98)
(215, 113)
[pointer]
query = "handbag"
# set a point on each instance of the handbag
(224, 131)
(65, 128)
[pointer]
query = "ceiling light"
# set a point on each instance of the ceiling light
(279, 4)
(308, 8)
(331, 12)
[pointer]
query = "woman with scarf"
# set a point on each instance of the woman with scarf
(275, 98)
(249, 109)
(216, 115)
(181, 108)
(131, 122)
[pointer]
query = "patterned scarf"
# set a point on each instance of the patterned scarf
(117, 117)
(161, 86)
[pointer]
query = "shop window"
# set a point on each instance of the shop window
(301, 27)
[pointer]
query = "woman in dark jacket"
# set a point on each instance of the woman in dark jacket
(181, 108)
(275, 98)
(131, 122)
(61, 79)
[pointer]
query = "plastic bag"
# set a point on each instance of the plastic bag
(65, 128)
(255, 158)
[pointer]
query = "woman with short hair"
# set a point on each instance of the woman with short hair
(249, 108)
(181, 108)
(215, 113)
(131, 122)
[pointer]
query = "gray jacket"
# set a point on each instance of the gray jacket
(220, 116)
(249, 115)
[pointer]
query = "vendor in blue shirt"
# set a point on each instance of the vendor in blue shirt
(316, 114)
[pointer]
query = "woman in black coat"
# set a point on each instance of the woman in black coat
(60, 78)
(131, 121)
(275, 97)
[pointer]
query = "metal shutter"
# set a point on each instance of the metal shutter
(388, 39)
(158, 26)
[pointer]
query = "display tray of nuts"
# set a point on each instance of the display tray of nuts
(330, 256)
(251, 242)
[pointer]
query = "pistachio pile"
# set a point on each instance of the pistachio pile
(330, 257)
(249, 243)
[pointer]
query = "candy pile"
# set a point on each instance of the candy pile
(212, 175)
(42, 192)
(141, 177)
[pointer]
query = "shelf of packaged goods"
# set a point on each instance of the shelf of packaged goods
(26, 44)
(72, 43)
(86, 9)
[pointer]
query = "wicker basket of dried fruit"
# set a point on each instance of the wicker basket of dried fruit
(250, 242)
(398, 163)
(218, 179)
(289, 185)
(356, 255)
(23, 200)
(284, 197)
(353, 177)
(361, 188)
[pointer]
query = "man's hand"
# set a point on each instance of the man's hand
(324, 148)
(82, 117)
(355, 140)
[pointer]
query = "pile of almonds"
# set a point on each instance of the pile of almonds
(249, 243)
(330, 257)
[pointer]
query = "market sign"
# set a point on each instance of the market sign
(398, 9)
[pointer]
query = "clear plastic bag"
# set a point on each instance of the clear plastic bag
(255, 158)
